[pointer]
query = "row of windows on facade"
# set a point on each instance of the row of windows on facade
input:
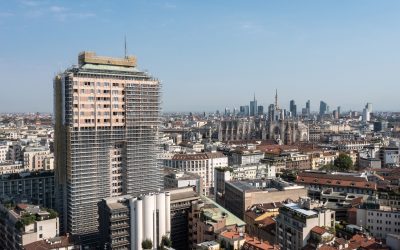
(99, 106)
(81, 130)
(386, 222)
(386, 215)
(98, 84)
(387, 229)
(105, 113)
(91, 121)
(92, 98)
(99, 91)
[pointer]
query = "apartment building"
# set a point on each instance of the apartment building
(24, 224)
(207, 219)
(296, 220)
(379, 220)
(202, 164)
(34, 187)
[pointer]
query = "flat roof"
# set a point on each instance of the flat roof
(91, 57)
(296, 208)
(215, 211)
(243, 186)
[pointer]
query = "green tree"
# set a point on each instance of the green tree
(165, 242)
(343, 162)
(147, 244)
(53, 213)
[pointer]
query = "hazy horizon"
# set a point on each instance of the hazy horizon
(210, 55)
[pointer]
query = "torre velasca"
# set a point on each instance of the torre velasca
(107, 115)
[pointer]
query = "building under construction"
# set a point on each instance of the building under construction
(106, 123)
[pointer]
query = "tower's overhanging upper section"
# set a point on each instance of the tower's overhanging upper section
(91, 58)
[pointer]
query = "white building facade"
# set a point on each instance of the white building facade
(202, 164)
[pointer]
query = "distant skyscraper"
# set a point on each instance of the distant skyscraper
(308, 107)
(107, 115)
(367, 112)
(293, 108)
(338, 111)
(260, 110)
(323, 108)
(335, 114)
(245, 110)
(369, 107)
(227, 111)
(253, 107)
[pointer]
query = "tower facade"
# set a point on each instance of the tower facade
(323, 108)
(253, 107)
(293, 108)
(106, 125)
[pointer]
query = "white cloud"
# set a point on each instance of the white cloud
(57, 9)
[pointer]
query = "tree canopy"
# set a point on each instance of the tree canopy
(343, 162)
(147, 244)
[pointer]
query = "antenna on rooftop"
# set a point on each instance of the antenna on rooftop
(125, 51)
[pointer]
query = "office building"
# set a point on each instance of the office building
(106, 132)
(260, 110)
(244, 110)
(366, 116)
(308, 107)
(293, 108)
(368, 106)
(323, 108)
(241, 195)
(253, 107)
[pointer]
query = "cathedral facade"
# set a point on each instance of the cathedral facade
(277, 126)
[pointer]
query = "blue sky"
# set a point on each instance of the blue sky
(211, 54)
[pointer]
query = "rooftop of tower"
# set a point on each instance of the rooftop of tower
(88, 57)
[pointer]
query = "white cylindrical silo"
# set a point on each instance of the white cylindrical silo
(168, 213)
(148, 217)
(138, 215)
(132, 206)
(161, 216)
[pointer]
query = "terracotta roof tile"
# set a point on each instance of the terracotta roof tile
(319, 230)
